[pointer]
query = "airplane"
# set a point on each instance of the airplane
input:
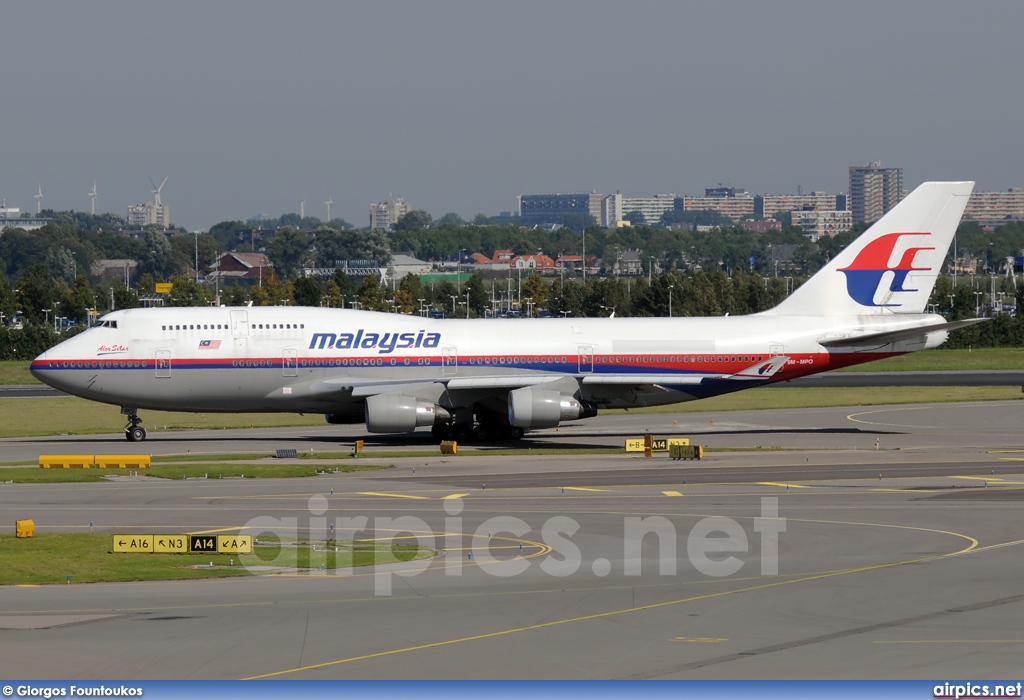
(488, 379)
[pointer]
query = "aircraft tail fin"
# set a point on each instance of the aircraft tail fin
(891, 268)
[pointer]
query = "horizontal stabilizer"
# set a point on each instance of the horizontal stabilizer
(885, 337)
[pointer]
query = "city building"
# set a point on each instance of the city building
(732, 202)
(874, 190)
(651, 208)
(385, 215)
(249, 267)
(817, 223)
(536, 209)
(761, 226)
(611, 211)
(10, 217)
(994, 206)
(538, 262)
(149, 214)
(767, 206)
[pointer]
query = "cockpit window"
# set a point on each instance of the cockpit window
(104, 324)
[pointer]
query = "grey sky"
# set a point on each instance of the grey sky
(250, 107)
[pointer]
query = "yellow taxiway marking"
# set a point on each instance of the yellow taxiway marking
(700, 639)
(672, 493)
(219, 529)
(392, 495)
(626, 611)
(455, 495)
(977, 478)
(583, 488)
(785, 486)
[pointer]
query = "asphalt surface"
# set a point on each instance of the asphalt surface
(899, 559)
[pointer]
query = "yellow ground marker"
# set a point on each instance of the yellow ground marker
(672, 493)
(583, 488)
(455, 495)
(784, 486)
(393, 495)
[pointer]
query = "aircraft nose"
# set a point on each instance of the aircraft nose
(38, 366)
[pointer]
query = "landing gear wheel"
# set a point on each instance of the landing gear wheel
(516, 433)
(483, 433)
(136, 434)
(461, 433)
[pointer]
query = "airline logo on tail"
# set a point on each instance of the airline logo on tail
(865, 274)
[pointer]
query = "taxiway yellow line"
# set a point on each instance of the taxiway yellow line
(392, 495)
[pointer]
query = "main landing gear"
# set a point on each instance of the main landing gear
(486, 431)
(134, 431)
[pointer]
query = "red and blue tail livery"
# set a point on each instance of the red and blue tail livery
(865, 274)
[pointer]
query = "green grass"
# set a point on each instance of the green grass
(943, 360)
(49, 558)
(28, 475)
(16, 372)
(74, 416)
(764, 398)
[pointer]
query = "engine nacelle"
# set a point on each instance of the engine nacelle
(531, 407)
(393, 413)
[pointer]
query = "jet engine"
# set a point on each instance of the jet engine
(531, 407)
(393, 413)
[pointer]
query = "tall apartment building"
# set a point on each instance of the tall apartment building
(611, 210)
(387, 213)
(149, 214)
(651, 208)
(817, 223)
(988, 206)
(874, 190)
(727, 201)
(551, 208)
(769, 205)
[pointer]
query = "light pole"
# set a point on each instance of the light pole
(423, 311)
(670, 300)
(467, 305)
(977, 304)
(584, 256)
(453, 304)
(197, 257)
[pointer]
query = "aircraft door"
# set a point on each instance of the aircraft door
(449, 361)
(776, 349)
(163, 364)
(239, 324)
(290, 362)
(586, 359)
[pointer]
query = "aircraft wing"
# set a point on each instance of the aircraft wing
(761, 372)
(353, 388)
(885, 337)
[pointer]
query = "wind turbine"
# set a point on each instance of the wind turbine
(92, 195)
(156, 192)
(39, 200)
(329, 202)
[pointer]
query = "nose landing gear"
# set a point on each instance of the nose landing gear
(134, 431)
